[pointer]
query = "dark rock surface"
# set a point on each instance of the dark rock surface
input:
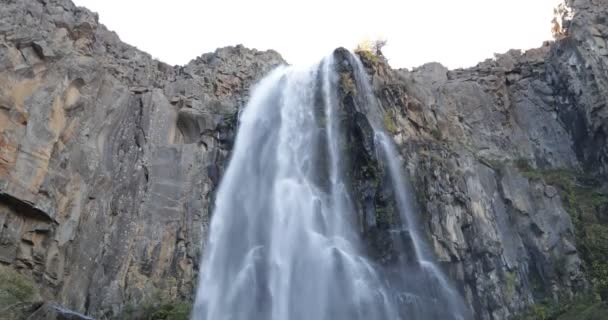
(109, 159)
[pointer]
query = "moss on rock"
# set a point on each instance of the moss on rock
(18, 294)
(583, 198)
(580, 309)
(389, 123)
(347, 83)
(158, 306)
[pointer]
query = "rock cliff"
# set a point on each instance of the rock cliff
(508, 160)
(109, 160)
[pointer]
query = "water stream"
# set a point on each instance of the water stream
(284, 243)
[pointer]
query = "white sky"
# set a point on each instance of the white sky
(457, 33)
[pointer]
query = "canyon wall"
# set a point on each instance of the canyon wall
(508, 160)
(109, 160)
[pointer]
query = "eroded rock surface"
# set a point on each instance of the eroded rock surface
(109, 159)
(471, 140)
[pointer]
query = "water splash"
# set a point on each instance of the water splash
(283, 242)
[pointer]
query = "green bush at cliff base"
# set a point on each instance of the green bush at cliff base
(157, 306)
(15, 289)
(172, 311)
(537, 312)
(158, 311)
(596, 248)
(580, 309)
(586, 311)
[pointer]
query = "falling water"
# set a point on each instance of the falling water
(429, 282)
(283, 242)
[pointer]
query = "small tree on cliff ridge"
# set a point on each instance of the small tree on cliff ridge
(378, 45)
(371, 46)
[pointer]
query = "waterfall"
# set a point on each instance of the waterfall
(284, 242)
(434, 285)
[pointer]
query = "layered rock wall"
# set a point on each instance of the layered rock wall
(109, 160)
(493, 152)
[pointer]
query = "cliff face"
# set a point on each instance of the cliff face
(109, 160)
(508, 160)
(507, 238)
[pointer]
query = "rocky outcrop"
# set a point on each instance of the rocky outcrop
(505, 239)
(477, 143)
(578, 66)
(109, 158)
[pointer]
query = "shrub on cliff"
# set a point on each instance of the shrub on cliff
(158, 306)
(17, 292)
(371, 50)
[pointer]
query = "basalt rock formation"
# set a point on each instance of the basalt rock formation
(109, 161)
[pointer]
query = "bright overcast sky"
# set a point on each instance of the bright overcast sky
(457, 33)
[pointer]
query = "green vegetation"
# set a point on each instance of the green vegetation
(367, 55)
(384, 215)
(15, 289)
(389, 123)
(596, 249)
(579, 309)
(511, 280)
(584, 200)
(158, 307)
(436, 133)
(537, 312)
(370, 51)
(347, 84)
(586, 311)
(232, 119)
